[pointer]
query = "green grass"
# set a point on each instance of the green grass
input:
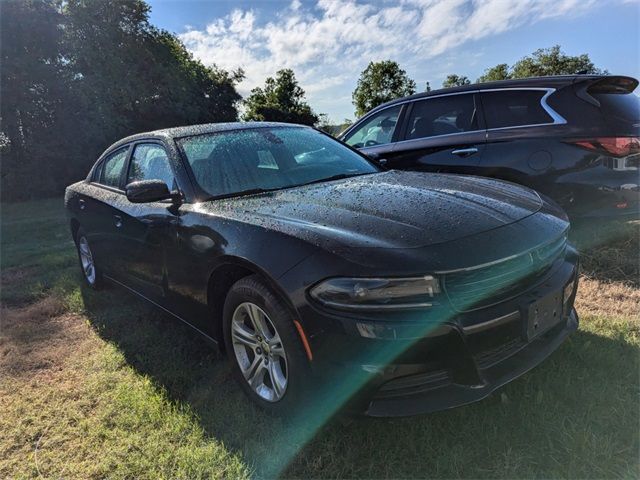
(121, 390)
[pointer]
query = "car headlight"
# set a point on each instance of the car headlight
(377, 293)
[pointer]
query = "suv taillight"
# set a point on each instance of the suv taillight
(614, 146)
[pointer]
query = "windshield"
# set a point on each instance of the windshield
(243, 161)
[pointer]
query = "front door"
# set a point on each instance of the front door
(147, 227)
(375, 134)
(441, 134)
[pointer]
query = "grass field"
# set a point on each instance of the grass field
(101, 384)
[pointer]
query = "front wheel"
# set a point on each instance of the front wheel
(91, 273)
(263, 345)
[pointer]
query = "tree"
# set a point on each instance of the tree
(454, 80)
(96, 71)
(333, 129)
(553, 61)
(499, 72)
(381, 82)
(32, 90)
(541, 63)
(280, 100)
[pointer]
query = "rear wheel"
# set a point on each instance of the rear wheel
(266, 353)
(91, 273)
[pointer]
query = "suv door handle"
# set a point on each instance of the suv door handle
(118, 220)
(465, 152)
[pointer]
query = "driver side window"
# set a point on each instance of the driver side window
(377, 130)
(150, 162)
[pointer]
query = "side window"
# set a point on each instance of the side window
(150, 162)
(111, 168)
(442, 116)
(511, 108)
(377, 130)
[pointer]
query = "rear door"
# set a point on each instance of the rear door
(99, 212)
(444, 133)
(521, 132)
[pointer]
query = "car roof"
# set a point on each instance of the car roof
(191, 130)
(556, 81)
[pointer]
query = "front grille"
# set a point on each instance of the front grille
(474, 288)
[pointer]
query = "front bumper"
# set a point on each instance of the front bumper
(440, 396)
(403, 366)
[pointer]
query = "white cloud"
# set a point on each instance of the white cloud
(329, 43)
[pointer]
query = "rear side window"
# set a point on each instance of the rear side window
(442, 116)
(513, 108)
(150, 162)
(623, 106)
(111, 169)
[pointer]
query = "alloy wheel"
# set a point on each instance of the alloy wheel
(86, 259)
(259, 352)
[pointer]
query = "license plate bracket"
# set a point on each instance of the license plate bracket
(543, 314)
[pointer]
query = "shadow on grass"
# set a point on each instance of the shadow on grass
(574, 416)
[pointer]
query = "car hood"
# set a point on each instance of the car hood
(391, 209)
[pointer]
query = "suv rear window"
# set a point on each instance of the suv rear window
(623, 106)
(512, 108)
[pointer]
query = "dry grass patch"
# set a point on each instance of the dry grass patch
(38, 338)
(72, 407)
(610, 299)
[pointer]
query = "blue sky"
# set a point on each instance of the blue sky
(329, 42)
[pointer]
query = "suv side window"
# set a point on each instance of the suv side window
(442, 116)
(112, 167)
(150, 162)
(512, 108)
(377, 130)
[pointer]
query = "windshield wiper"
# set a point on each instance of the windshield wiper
(241, 193)
(339, 176)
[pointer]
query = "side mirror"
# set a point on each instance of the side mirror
(146, 191)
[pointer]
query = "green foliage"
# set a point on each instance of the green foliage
(499, 72)
(543, 62)
(454, 80)
(96, 71)
(553, 61)
(280, 100)
(333, 129)
(381, 82)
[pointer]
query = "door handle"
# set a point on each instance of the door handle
(81, 204)
(465, 152)
(118, 220)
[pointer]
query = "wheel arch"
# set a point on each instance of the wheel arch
(227, 272)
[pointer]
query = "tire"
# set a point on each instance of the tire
(262, 357)
(91, 273)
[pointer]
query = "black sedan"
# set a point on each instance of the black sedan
(575, 138)
(391, 292)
